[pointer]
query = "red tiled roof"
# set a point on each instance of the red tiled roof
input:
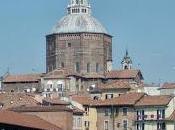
(154, 101)
(41, 109)
(119, 84)
(30, 121)
(93, 75)
(22, 78)
(168, 86)
(123, 74)
(84, 100)
(55, 101)
(60, 74)
(122, 100)
(17, 99)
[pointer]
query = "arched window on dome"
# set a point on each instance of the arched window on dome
(77, 2)
(82, 2)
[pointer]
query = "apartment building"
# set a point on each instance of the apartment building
(155, 113)
(117, 113)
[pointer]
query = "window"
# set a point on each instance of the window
(140, 126)
(62, 64)
(82, 10)
(77, 67)
(96, 98)
(97, 67)
(126, 67)
(87, 124)
(125, 124)
(69, 11)
(108, 111)
(60, 87)
(140, 115)
(77, 1)
(88, 67)
(116, 111)
(125, 111)
(161, 114)
(79, 122)
(69, 44)
(87, 110)
(81, 1)
(109, 96)
(78, 10)
(74, 122)
(161, 126)
(50, 85)
(106, 125)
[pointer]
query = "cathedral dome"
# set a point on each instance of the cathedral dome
(74, 23)
(79, 19)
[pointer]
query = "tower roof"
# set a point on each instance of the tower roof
(79, 19)
(127, 59)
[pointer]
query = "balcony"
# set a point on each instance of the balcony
(150, 118)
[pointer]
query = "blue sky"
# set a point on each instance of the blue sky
(145, 27)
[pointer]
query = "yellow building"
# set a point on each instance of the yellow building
(90, 113)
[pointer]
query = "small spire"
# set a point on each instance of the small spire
(126, 53)
(79, 7)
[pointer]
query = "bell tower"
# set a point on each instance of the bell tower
(126, 62)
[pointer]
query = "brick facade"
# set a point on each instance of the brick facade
(79, 52)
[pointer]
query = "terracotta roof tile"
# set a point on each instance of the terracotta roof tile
(84, 100)
(93, 75)
(168, 86)
(122, 100)
(154, 101)
(13, 118)
(10, 100)
(22, 78)
(55, 101)
(123, 74)
(60, 73)
(119, 84)
(41, 109)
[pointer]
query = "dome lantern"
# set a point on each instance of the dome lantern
(79, 7)
(79, 19)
